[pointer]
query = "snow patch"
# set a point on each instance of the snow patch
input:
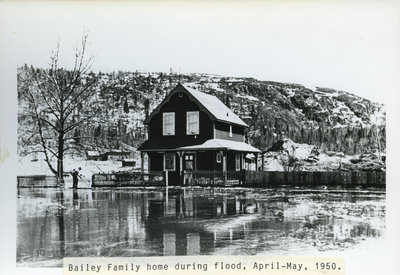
(249, 97)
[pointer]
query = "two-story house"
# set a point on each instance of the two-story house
(194, 131)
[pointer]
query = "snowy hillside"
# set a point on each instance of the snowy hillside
(329, 119)
(286, 155)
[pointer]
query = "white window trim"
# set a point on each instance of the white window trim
(187, 123)
(237, 162)
(163, 128)
(174, 161)
(219, 157)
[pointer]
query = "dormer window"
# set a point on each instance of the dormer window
(169, 124)
(192, 123)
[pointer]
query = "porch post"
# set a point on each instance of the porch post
(180, 162)
(262, 161)
(214, 164)
(256, 161)
(241, 169)
(180, 154)
(214, 135)
(224, 166)
(142, 165)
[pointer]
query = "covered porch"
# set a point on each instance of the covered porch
(215, 162)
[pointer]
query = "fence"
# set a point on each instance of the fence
(128, 179)
(37, 181)
(245, 178)
(213, 178)
(301, 178)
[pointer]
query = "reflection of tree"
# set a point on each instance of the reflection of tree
(42, 235)
(133, 223)
(61, 224)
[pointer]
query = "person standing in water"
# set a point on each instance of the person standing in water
(75, 175)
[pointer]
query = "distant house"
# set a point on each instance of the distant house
(93, 155)
(193, 131)
(116, 155)
(128, 163)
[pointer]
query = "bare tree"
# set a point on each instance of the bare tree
(375, 128)
(288, 159)
(55, 98)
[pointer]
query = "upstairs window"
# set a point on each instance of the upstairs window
(192, 123)
(169, 124)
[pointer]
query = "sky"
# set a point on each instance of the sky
(345, 45)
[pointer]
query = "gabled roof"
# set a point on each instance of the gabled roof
(211, 104)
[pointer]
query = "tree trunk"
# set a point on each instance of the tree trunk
(378, 143)
(60, 165)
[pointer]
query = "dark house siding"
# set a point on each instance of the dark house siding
(180, 102)
(231, 161)
(206, 161)
(222, 131)
(156, 161)
(157, 164)
(180, 105)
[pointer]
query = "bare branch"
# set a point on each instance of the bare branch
(69, 148)
(42, 141)
(68, 138)
(52, 96)
(51, 124)
(74, 125)
(35, 83)
(89, 94)
(81, 66)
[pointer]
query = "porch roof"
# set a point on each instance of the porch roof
(222, 144)
(160, 145)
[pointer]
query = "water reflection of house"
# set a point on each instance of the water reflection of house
(169, 244)
(191, 132)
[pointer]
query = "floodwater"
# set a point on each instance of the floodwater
(56, 223)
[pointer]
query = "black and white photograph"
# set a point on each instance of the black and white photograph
(184, 128)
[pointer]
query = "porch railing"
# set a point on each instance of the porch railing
(273, 178)
(213, 178)
(128, 179)
(244, 178)
(315, 178)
